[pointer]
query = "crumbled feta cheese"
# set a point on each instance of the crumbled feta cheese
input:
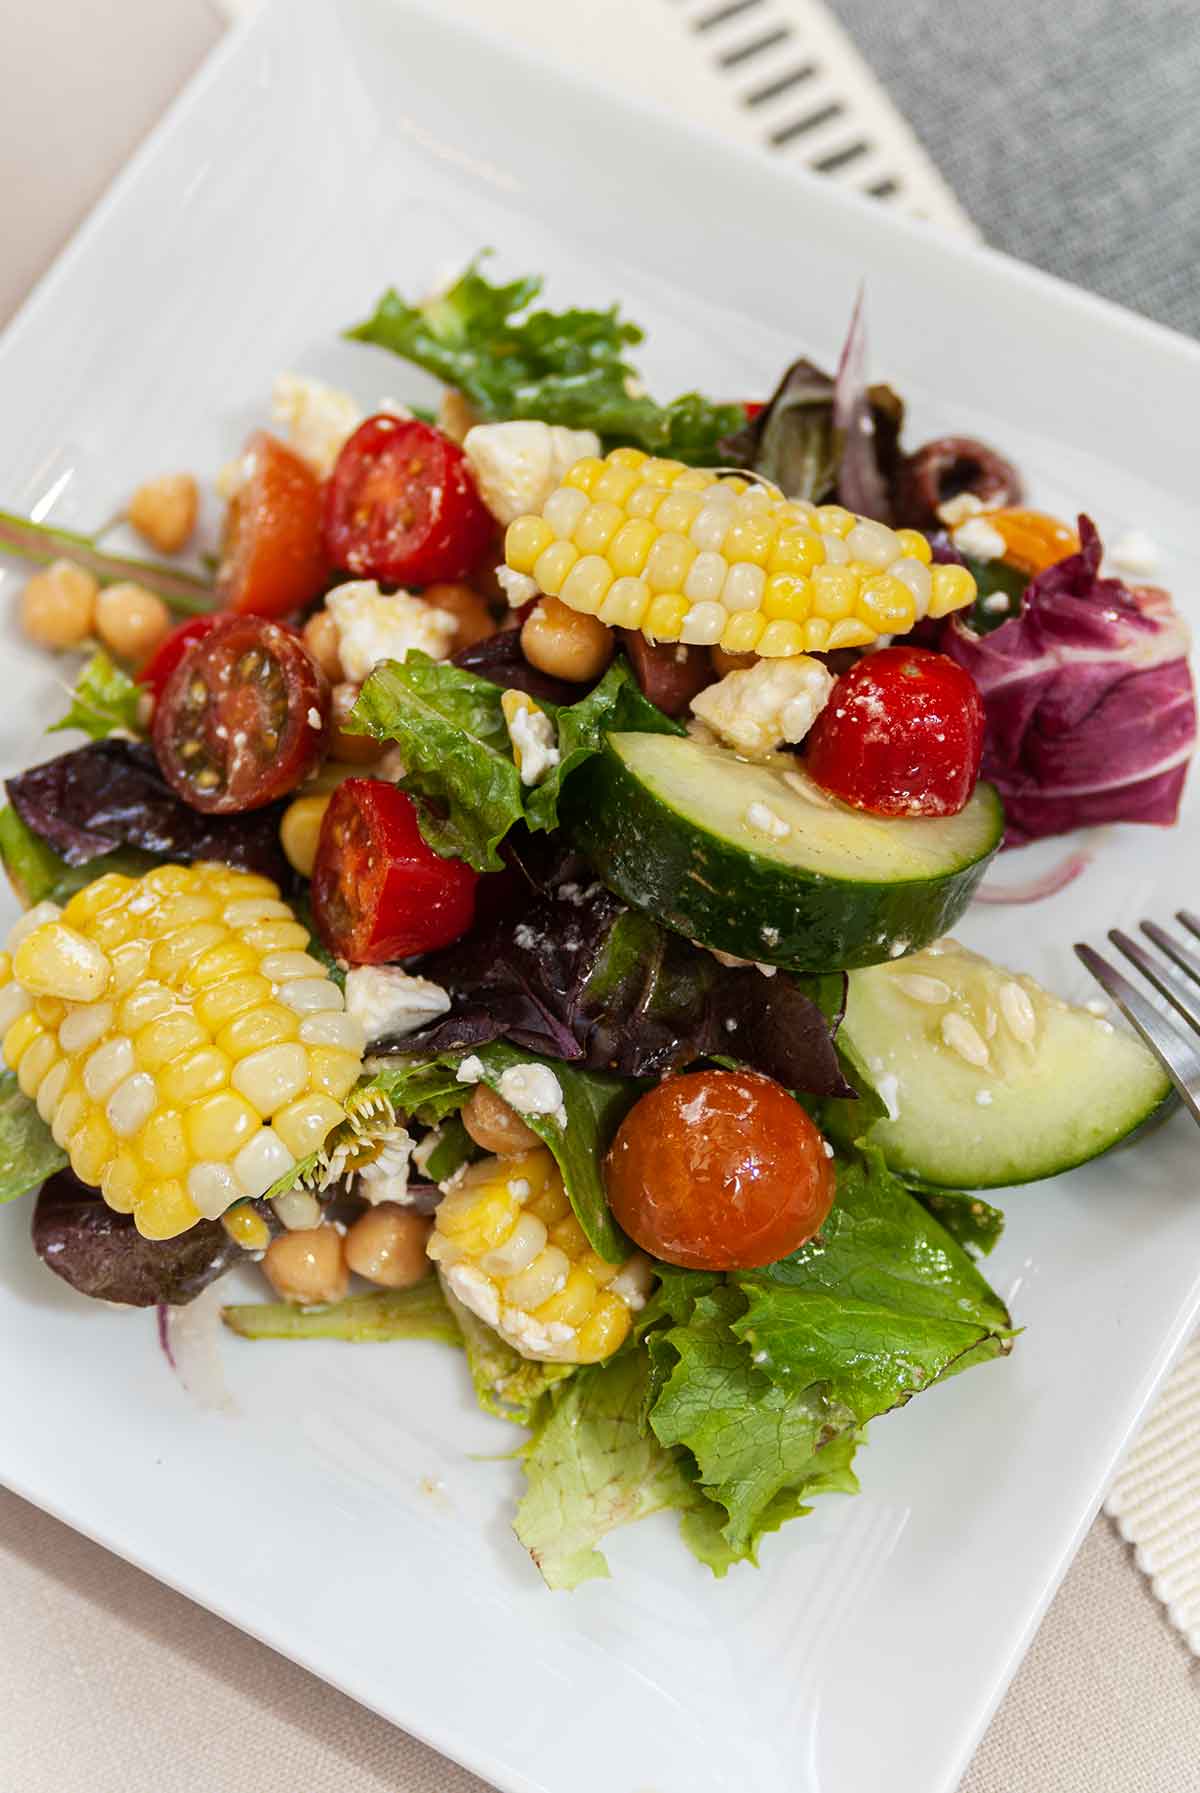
(314, 716)
(758, 709)
(386, 1000)
(1096, 1005)
(385, 1179)
(471, 1070)
(763, 820)
(956, 510)
(888, 1089)
(984, 1098)
(996, 601)
(474, 1290)
(314, 419)
(518, 588)
(518, 465)
(532, 1089)
(235, 474)
(425, 1148)
(977, 538)
(534, 742)
(897, 949)
(1133, 555)
(372, 627)
(634, 1281)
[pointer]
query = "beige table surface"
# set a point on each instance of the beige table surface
(110, 1683)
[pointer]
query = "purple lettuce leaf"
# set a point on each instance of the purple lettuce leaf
(111, 794)
(1091, 711)
(102, 1254)
(861, 482)
(499, 659)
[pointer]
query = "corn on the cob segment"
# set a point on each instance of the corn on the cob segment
(179, 1041)
(686, 554)
(513, 1252)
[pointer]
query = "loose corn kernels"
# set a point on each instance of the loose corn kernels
(159, 1024)
(512, 1251)
(691, 555)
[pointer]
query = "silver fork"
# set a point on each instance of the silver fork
(1173, 1048)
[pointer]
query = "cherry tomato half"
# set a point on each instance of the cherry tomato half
(379, 891)
(243, 717)
(402, 506)
(170, 651)
(272, 557)
(901, 735)
(719, 1170)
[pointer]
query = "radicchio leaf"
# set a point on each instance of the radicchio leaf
(102, 1254)
(499, 659)
(111, 794)
(946, 468)
(861, 485)
(1091, 712)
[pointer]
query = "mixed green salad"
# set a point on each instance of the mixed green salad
(507, 894)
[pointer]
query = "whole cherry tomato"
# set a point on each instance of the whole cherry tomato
(719, 1170)
(901, 735)
(170, 651)
(402, 506)
(243, 717)
(379, 891)
(272, 557)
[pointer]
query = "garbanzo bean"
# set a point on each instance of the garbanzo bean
(723, 662)
(307, 1267)
(494, 1125)
(387, 1246)
(321, 640)
(131, 620)
(164, 511)
(353, 750)
(470, 612)
(566, 643)
(58, 606)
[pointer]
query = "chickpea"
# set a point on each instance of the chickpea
(470, 612)
(353, 750)
(300, 830)
(387, 1246)
(321, 640)
(723, 662)
(164, 511)
(564, 642)
(455, 416)
(495, 1126)
(58, 606)
(307, 1267)
(131, 620)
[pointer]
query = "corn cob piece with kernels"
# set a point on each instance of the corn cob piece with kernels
(512, 1251)
(181, 1044)
(687, 554)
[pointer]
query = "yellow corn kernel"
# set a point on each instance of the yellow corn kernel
(657, 472)
(57, 960)
(751, 538)
(668, 562)
(887, 605)
(91, 1147)
(215, 1006)
(849, 632)
(218, 1126)
(781, 639)
(165, 1211)
(143, 1005)
(478, 1219)
(596, 527)
(525, 539)
(121, 1182)
(165, 880)
(629, 547)
(664, 618)
(604, 1330)
(184, 908)
(305, 1123)
(553, 565)
(333, 1071)
(36, 1060)
(247, 1227)
(951, 588)
(598, 1268)
(232, 958)
(741, 633)
(96, 897)
(20, 1037)
(112, 929)
(816, 635)
(201, 1073)
(570, 1237)
(528, 1289)
(164, 1039)
(276, 937)
(787, 597)
(834, 592)
(162, 1144)
(679, 510)
(914, 544)
(172, 955)
(255, 1028)
(585, 586)
(626, 603)
(796, 550)
(130, 963)
(50, 1010)
(631, 458)
(299, 832)
(584, 473)
(572, 1303)
(614, 485)
(644, 502)
(549, 1203)
(833, 519)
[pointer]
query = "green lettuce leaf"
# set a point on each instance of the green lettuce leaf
(564, 367)
(452, 1148)
(28, 1154)
(379, 1318)
(104, 700)
(506, 1384)
(974, 1223)
(36, 872)
(450, 729)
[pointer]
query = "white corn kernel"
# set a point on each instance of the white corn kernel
(915, 574)
(706, 578)
(544, 1277)
(836, 552)
(213, 1188)
(32, 918)
(248, 910)
(131, 1104)
(14, 1002)
(298, 1210)
(36, 1060)
(282, 967)
(69, 1111)
(874, 544)
(329, 1028)
(51, 1088)
(703, 624)
(108, 1065)
(518, 1251)
(711, 526)
(83, 1026)
(272, 1077)
(307, 995)
(563, 510)
(262, 1161)
(743, 587)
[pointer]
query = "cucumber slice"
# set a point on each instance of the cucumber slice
(987, 1079)
(753, 859)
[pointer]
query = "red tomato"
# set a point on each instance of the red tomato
(272, 557)
(243, 717)
(401, 506)
(379, 891)
(719, 1170)
(170, 652)
(901, 735)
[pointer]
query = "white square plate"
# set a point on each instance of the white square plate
(334, 1508)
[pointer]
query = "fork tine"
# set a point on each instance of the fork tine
(1183, 1000)
(1190, 920)
(1177, 1056)
(1185, 959)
